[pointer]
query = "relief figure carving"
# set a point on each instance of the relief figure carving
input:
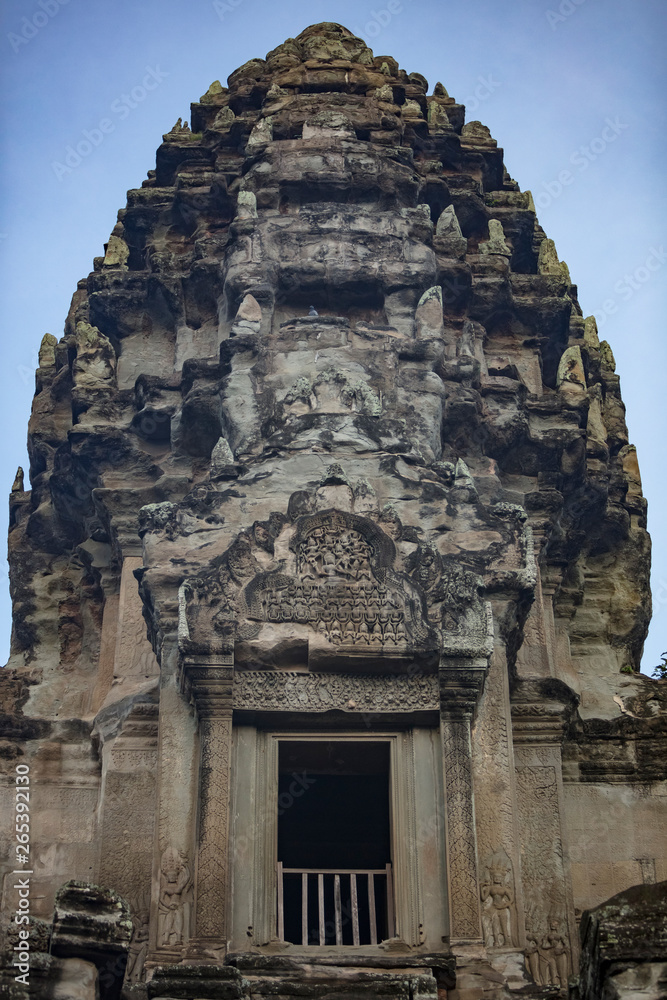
(138, 943)
(174, 908)
(532, 953)
(497, 895)
(344, 588)
(548, 955)
(555, 953)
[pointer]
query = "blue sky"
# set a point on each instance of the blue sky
(573, 90)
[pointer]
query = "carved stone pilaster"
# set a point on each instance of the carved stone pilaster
(211, 687)
(459, 691)
(540, 714)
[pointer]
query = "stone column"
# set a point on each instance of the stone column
(171, 906)
(495, 811)
(211, 687)
(539, 717)
(459, 691)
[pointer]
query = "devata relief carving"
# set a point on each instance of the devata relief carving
(174, 912)
(497, 895)
(331, 584)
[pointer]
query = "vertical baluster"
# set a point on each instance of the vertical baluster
(371, 908)
(304, 908)
(355, 909)
(281, 911)
(320, 901)
(391, 930)
(338, 910)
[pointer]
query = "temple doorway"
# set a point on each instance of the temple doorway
(334, 878)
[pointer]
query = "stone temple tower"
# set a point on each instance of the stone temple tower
(331, 585)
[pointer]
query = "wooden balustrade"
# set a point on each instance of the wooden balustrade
(380, 914)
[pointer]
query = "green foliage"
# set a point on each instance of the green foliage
(660, 672)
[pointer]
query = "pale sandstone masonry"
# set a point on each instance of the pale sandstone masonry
(328, 451)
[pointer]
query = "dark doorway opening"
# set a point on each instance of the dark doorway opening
(334, 842)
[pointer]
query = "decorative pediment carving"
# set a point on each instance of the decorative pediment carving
(345, 590)
(331, 589)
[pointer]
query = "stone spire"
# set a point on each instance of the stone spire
(327, 432)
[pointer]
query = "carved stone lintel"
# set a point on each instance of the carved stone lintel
(271, 691)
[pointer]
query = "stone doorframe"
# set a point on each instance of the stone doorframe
(209, 682)
(403, 824)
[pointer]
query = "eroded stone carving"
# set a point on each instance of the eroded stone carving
(286, 691)
(461, 832)
(174, 904)
(339, 591)
(134, 972)
(497, 895)
(554, 950)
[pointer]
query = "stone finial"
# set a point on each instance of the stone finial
(385, 93)
(448, 224)
(571, 376)
(411, 109)
(440, 90)
(607, 355)
(449, 239)
(47, 351)
(223, 119)
(327, 41)
(261, 134)
(17, 485)
(117, 252)
(178, 131)
(275, 92)
(246, 205)
(213, 94)
(465, 347)
(95, 363)
(476, 134)
(464, 484)
(548, 262)
(417, 80)
(222, 457)
(428, 317)
(248, 317)
(627, 456)
(496, 243)
(438, 119)
(591, 332)
(596, 432)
